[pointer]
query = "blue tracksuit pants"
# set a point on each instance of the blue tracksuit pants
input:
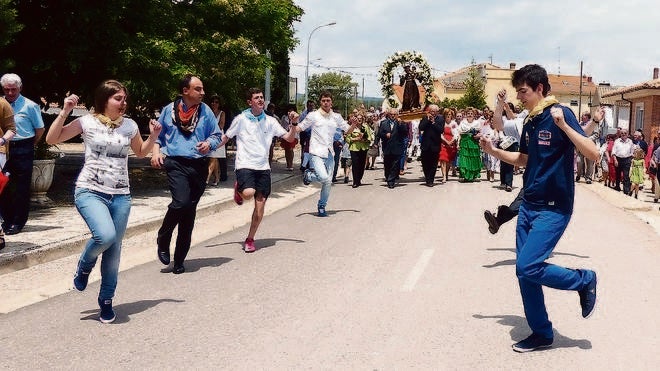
(537, 234)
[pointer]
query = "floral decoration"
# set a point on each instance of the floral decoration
(401, 59)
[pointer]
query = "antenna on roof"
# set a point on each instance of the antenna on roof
(559, 60)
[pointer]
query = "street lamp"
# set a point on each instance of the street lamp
(307, 66)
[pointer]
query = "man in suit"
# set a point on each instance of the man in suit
(431, 128)
(392, 131)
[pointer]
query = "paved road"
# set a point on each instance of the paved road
(407, 278)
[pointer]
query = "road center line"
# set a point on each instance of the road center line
(417, 270)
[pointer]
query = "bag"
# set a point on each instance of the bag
(507, 141)
(4, 179)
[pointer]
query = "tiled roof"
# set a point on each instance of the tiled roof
(570, 85)
(454, 80)
(651, 84)
(605, 96)
(561, 84)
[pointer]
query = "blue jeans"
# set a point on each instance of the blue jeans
(106, 216)
(537, 234)
(323, 168)
(402, 161)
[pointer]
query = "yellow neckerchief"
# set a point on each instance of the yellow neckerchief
(107, 121)
(323, 113)
(543, 104)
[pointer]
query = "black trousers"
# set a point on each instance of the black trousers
(506, 169)
(391, 168)
(430, 165)
(624, 167)
(222, 166)
(337, 161)
(359, 160)
(15, 199)
(186, 178)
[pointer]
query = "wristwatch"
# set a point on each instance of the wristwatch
(4, 141)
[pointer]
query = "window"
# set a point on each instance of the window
(639, 116)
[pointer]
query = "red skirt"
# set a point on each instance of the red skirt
(286, 145)
(447, 153)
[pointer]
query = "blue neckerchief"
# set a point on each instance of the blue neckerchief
(251, 117)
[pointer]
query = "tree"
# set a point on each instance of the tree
(71, 46)
(340, 85)
(475, 90)
(8, 28)
(452, 103)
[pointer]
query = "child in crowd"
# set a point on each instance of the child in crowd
(637, 171)
(346, 162)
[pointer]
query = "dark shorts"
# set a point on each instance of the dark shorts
(259, 180)
(346, 162)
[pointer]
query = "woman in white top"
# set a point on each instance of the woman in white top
(102, 194)
(469, 153)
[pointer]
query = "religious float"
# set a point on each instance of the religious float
(410, 68)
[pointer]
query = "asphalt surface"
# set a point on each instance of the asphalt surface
(407, 278)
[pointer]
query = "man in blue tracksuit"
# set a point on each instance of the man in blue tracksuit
(550, 135)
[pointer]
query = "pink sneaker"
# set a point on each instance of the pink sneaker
(248, 246)
(237, 196)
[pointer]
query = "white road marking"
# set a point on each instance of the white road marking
(417, 270)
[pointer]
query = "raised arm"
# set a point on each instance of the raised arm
(142, 148)
(513, 158)
(59, 133)
(583, 144)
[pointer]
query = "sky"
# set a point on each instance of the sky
(616, 40)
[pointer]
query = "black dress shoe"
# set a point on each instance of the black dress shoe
(493, 224)
(164, 257)
(13, 229)
(178, 269)
(163, 253)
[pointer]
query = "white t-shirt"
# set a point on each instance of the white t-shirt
(254, 136)
(323, 127)
(623, 149)
(106, 155)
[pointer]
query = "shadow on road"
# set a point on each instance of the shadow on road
(193, 265)
(124, 311)
(330, 212)
(261, 243)
(513, 261)
(520, 330)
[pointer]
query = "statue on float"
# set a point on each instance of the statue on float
(416, 72)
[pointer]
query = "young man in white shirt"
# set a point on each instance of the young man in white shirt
(254, 132)
(324, 122)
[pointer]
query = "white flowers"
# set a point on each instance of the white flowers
(405, 58)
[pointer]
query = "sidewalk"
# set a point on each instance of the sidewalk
(59, 231)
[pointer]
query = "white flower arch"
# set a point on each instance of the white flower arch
(401, 59)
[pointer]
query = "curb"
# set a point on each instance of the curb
(619, 199)
(75, 244)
